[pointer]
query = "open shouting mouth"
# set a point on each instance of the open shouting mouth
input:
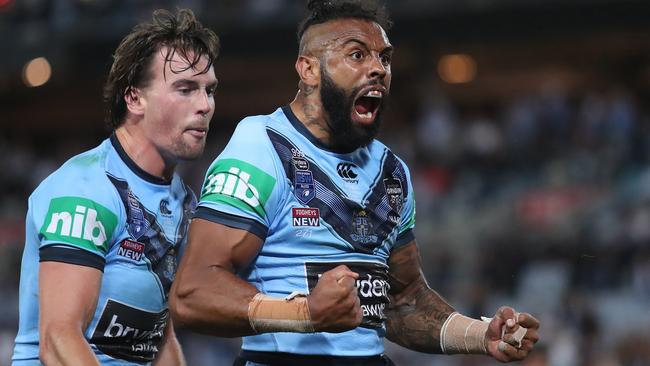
(367, 104)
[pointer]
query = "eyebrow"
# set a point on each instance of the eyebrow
(194, 83)
(388, 48)
(184, 82)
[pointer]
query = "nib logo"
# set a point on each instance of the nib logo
(238, 184)
(79, 221)
(235, 183)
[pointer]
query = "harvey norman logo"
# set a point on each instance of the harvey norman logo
(305, 216)
(79, 221)
(239, 184)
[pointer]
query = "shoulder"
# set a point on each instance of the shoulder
(253, 127)
(80, 181)
(77, 204)
(250, 141)
(84, 171)
(378, 148)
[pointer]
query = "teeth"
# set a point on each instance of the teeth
(374, 94)
(365, 115)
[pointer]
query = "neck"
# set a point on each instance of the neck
(309, 110)
(143, 152)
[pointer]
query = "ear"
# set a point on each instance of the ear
(308, 68)
(134, 102)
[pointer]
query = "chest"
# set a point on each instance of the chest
(355, 201)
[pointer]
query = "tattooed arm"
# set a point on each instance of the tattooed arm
(417, 313)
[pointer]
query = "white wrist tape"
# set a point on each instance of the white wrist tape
(461, 334)
(272, 314)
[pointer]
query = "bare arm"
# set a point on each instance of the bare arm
(207, 296)
(416, 312)
(67, 300)
(170, 353)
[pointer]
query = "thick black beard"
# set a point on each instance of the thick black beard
(344, 135)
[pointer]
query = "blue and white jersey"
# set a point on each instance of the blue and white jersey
(101, 210)
(315, 209)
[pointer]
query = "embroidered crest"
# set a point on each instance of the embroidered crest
(138, 225)
(304, 186)
(362, 229)
(394, 193)
(299, 160)
(300, 163)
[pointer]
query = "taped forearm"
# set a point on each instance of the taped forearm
(272, 314)
(461, 334)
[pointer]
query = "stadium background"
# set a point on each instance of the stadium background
(526, 125)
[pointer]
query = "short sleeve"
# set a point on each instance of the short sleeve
(75, 214)
(241, 184)
(407, 223)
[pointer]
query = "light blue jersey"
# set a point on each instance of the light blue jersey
(314, 209)
(101, 210)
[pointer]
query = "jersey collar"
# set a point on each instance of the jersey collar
(133, 166)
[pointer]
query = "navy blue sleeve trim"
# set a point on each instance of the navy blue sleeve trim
(404, 238)
(237, 222)
(64, 254)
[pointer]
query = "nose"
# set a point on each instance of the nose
(205, 102)
(377, 68)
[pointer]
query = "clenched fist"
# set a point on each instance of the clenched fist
(502, 342)
(334, 304)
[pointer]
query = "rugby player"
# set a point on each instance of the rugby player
(104, 232)
(303, 238)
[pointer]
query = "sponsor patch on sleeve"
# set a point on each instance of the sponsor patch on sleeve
(238, 184)
(80, 222)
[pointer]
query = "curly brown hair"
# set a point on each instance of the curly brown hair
(180, 33)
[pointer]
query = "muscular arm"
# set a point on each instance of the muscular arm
(417, 312)
(67, 300)
(207, 296)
